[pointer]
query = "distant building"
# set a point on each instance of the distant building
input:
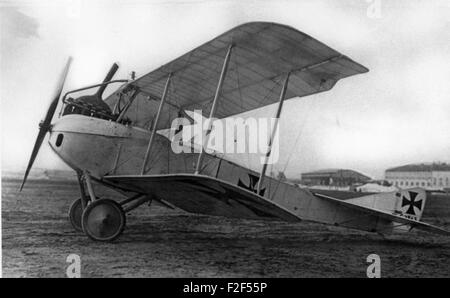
(375, 187)
(432, 176)
(334, 177)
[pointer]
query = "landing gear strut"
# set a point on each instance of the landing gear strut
(78, 206)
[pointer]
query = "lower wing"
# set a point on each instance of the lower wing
(208, 195)
(204, 195)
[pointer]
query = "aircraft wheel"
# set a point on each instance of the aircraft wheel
(103, 220)
(75, 214)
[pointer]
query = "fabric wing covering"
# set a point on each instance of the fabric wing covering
(261, 56)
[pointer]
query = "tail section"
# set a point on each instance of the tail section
(408, 203)
(386, 212)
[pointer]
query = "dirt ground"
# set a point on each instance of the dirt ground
(159, 242)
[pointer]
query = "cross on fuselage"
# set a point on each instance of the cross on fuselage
(411, 203)
(252, 184)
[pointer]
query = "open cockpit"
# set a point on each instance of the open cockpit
(127, 105)
(93, 105)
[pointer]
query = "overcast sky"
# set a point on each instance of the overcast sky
(397, 113)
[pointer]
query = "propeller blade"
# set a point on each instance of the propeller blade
(54, 103)
(37, 145)
(44, 126)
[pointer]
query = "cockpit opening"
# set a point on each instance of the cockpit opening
(93, 105)
(84, 106)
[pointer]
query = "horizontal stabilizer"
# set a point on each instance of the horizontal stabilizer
(388, 216)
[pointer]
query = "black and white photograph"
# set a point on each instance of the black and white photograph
(225, 139)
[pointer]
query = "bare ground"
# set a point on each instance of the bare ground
(158, 242)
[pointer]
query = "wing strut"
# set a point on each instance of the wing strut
(274, 130)
(213, 108)
(155, 123)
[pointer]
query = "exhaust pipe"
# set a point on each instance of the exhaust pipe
(108, 78)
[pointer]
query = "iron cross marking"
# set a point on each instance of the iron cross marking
(411, 203)
(252, 185)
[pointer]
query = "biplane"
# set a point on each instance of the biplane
(114, 141)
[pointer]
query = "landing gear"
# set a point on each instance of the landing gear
(99, 219)
(103, 220)
(75, 213)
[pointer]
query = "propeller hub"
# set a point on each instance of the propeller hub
(44, 126)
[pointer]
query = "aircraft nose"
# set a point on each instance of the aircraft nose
(57, 133)
(83, 142)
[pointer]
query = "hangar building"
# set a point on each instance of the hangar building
(334, 177)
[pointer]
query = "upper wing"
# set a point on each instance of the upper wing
(262, 53)
(387, 216)
(204, 195)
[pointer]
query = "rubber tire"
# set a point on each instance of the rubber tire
(75, 215)
(114, 209)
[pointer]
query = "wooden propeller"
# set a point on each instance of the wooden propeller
(44, 125)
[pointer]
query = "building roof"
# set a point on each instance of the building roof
(423, 167)
(326, 172)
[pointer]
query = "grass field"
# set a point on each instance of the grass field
(158, 242)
